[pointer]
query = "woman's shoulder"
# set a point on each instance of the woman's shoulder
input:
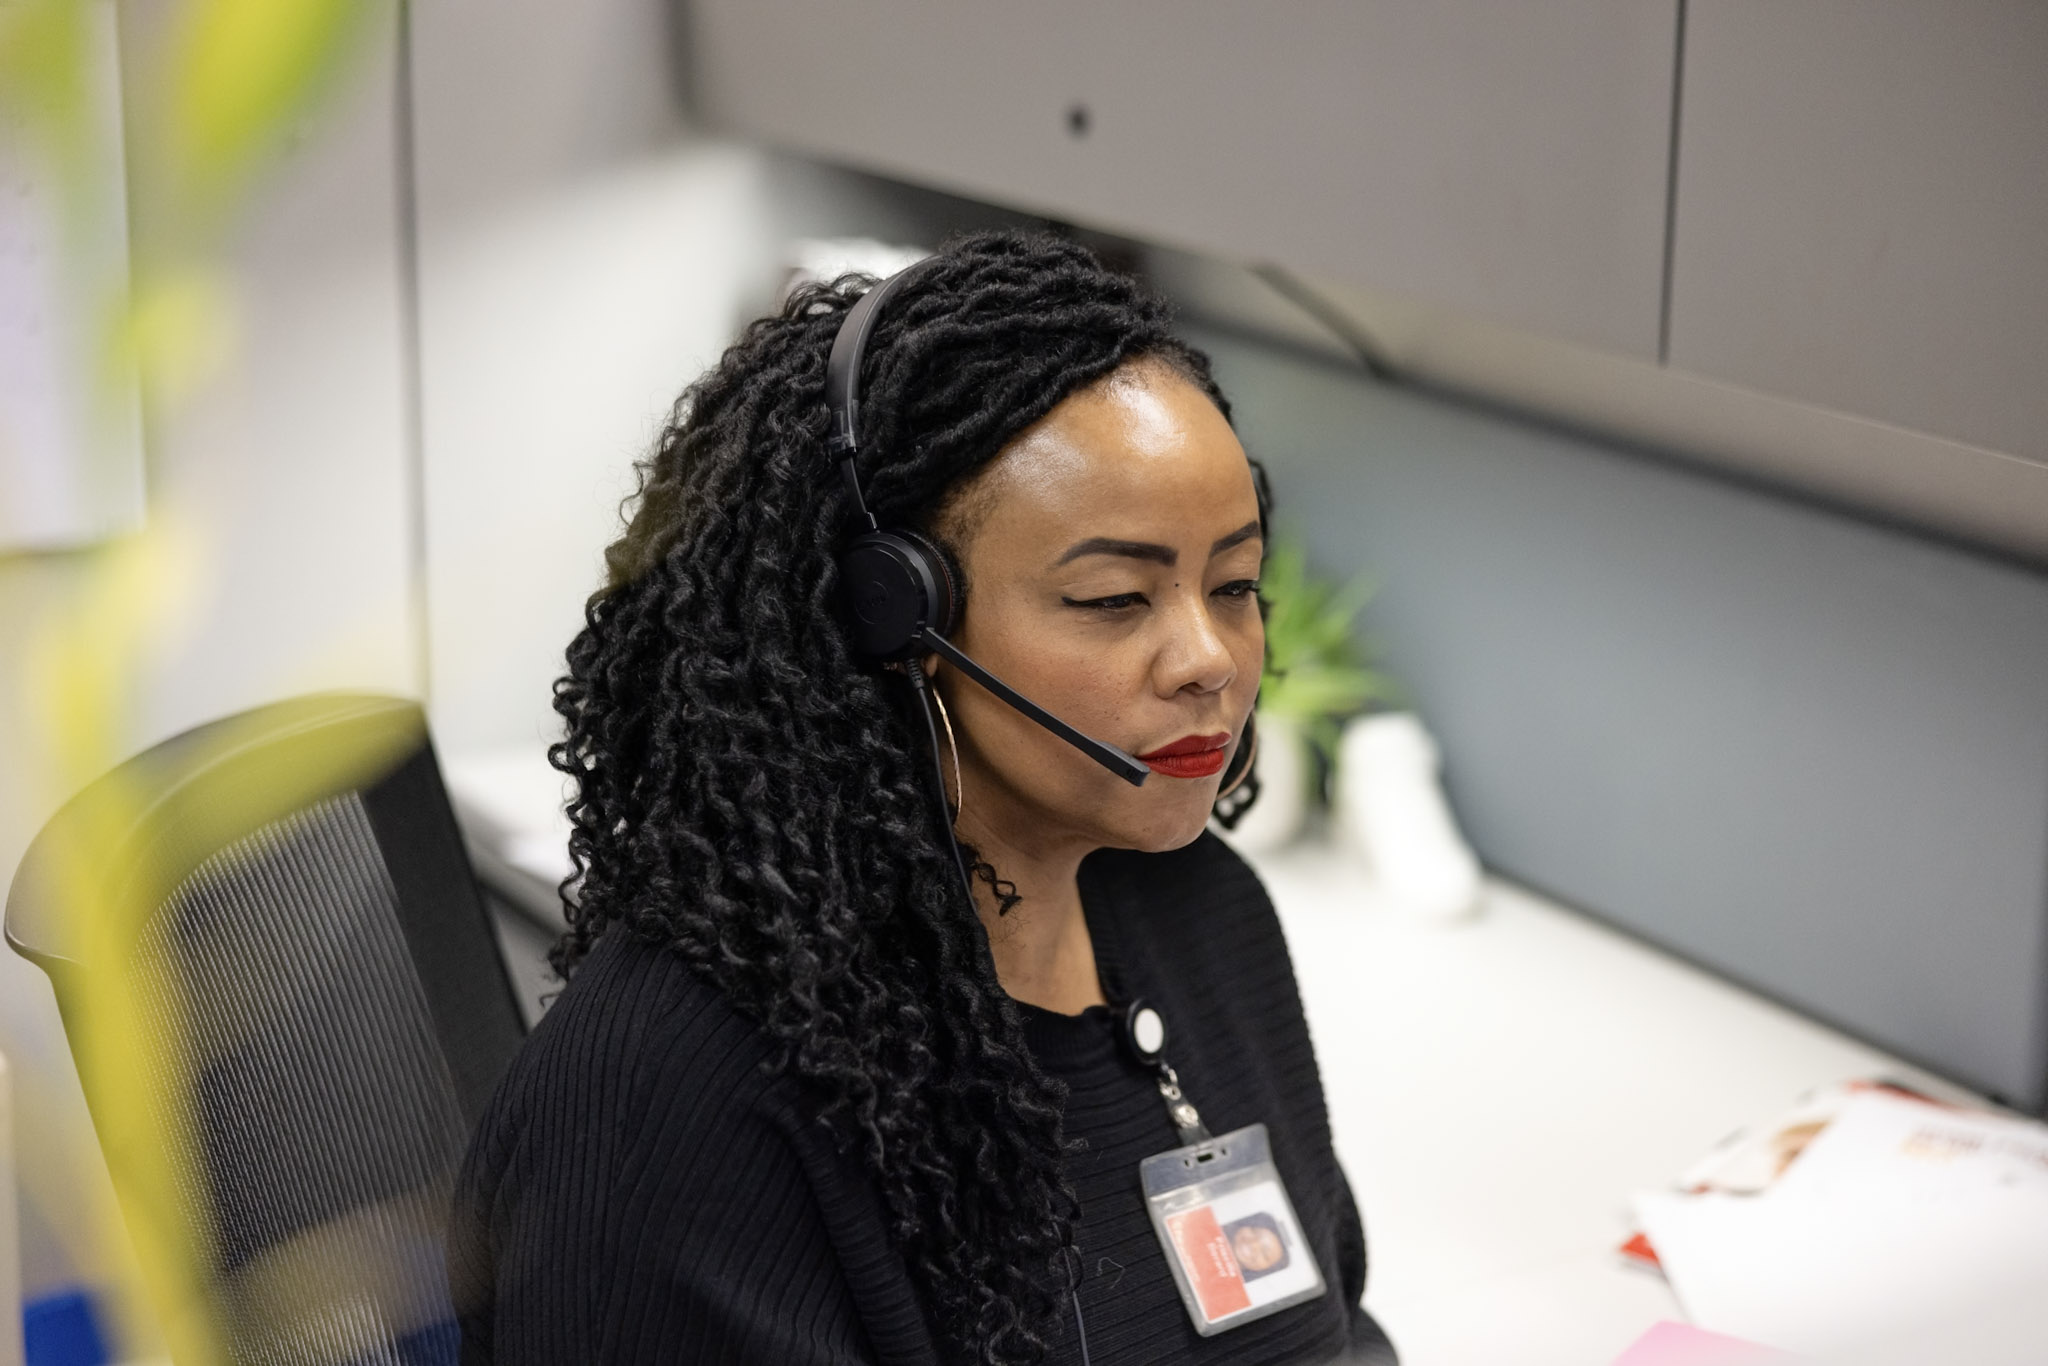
(628, 982)
(635, 1032)
(637, 1009)
(640, 1148)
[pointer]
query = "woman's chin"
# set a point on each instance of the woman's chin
(1172, 829)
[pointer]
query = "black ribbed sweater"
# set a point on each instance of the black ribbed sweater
(641, 1189)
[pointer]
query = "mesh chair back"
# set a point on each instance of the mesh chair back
(313, 1003)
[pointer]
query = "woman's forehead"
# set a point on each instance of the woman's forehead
(1144, 445)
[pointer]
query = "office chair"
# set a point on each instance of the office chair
(308, 1009)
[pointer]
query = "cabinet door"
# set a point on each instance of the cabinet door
(1862, 210)
(1501, 159)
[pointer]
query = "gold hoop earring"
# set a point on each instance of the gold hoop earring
(959, 792)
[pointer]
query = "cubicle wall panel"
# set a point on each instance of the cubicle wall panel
(1505, 160)
(1809, 752)
(1862, 210)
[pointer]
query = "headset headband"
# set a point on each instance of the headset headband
(842, 382)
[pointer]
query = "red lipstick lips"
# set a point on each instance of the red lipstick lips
(1192, 756)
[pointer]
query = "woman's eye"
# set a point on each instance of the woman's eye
(1240, 588)
(1115, 602)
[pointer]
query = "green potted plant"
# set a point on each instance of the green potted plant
(1317, 675)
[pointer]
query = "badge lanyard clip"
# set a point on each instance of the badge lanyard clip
(1186, 1119)
(1145, 1037)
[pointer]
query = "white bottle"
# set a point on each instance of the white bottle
(1389, 806)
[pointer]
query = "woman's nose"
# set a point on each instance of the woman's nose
(1196, 658)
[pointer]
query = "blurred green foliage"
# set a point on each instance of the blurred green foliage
(209, 92)
(243, 70)
(44, 48)
(229, 75)
(1318, 670)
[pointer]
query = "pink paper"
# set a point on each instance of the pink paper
(1678, 1344)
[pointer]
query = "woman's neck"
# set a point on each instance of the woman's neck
(1043, 953)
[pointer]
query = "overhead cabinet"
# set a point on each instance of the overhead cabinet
(1862, 210)
(1505, 160)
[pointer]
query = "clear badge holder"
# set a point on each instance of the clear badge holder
(1229, 1231)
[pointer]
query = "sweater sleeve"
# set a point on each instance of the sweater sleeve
(1370, 1345)
(635, 1196)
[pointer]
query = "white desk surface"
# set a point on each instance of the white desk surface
(1499, 1087)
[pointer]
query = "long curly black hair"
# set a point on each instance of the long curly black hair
(752, 796)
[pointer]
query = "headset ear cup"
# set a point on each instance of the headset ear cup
(944, 573)
(885, 596)
(894, 584)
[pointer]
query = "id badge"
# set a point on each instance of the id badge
(1222, 1216)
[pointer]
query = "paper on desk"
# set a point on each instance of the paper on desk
(1921, 1153)
(1897, 1216)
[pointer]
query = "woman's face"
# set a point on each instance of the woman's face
(1112, 557)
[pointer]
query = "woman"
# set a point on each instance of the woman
(799, 1102)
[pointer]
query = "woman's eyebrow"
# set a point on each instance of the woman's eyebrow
(1149, 550)
(1131, 550)
(1237, 537)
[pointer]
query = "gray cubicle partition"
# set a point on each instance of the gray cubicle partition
(1804, 750)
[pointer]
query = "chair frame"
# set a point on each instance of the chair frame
(164, 812)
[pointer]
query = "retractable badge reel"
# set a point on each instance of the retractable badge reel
(1219, 1207)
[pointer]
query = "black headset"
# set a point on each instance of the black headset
(901, 592)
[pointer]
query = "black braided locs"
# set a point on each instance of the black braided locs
(750, 796)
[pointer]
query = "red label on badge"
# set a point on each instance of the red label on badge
(1211, 1268)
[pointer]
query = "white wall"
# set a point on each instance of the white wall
(581, 259)
(70, 440)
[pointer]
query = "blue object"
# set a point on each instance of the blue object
(63, 1329)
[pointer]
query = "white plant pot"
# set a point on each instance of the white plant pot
(1277, 816)
(1388, 806)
